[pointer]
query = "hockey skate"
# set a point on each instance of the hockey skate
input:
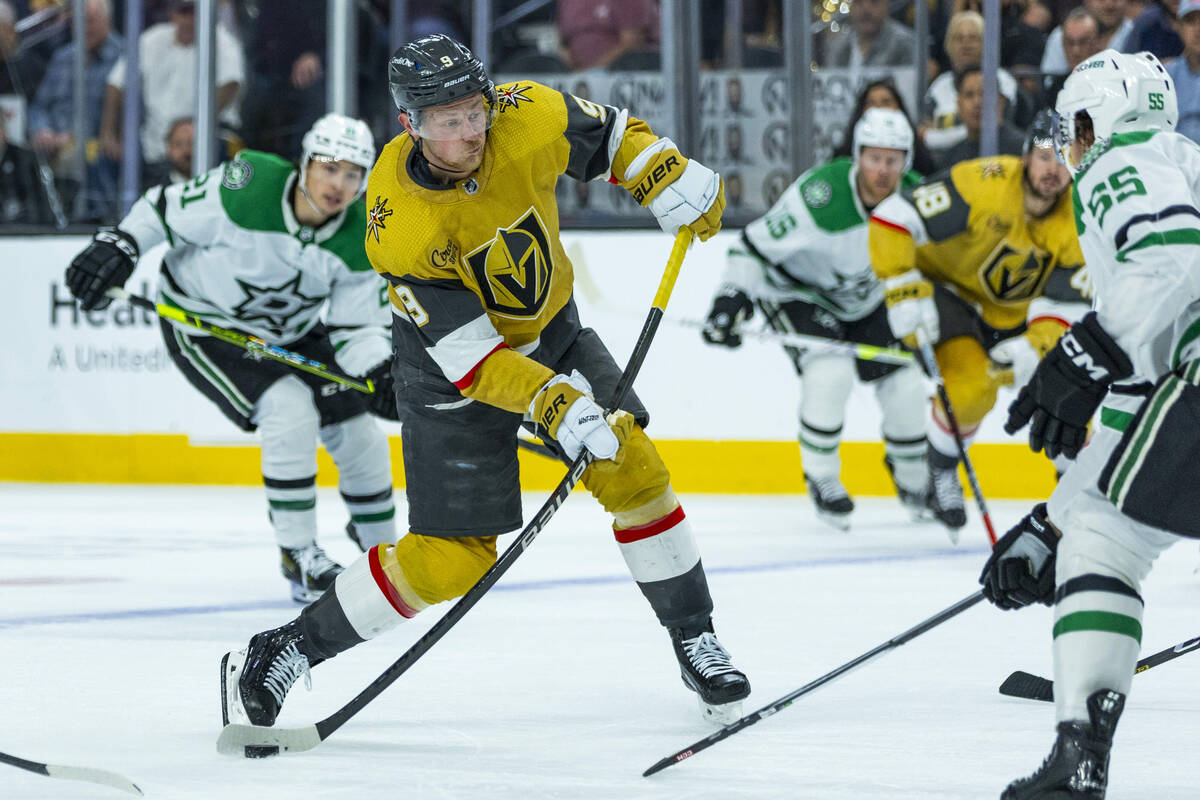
(309, 571)
(915, 502)
(706, 670)
(256, 679)
(831, 500)
(946, 500)
(1077, 767)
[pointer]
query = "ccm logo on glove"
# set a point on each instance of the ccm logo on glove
(1082, 358)
(656, 176)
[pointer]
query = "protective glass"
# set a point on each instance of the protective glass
(464, 119)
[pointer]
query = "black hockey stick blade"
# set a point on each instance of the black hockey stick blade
(235, 738)
(787, 699)
(1031, 687)
(101, 776)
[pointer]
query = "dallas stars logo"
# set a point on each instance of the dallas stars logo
(376, 216)
(512, 97)
(275, 305)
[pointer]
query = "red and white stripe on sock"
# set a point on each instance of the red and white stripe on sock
(371, 602)
(658, 550)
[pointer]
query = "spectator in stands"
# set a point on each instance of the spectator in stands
(167, 62)
(51, 117)
(595, 33)
(1185, 70)
(1081, 41)
(884, 94)
(1022, 37)
(1114, 29)
(177, 166)
(285, 87)
(22, 199)
(27, 66)
(1154, 30)
(968, 86)
(871, 39)
(943, 128)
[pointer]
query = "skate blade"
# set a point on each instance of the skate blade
(720, 715)
(953, 534)
(304, 596)
(230, 675)
(839, 521)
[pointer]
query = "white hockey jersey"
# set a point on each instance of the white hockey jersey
(237, 257)
(1137, 212)
(812, 246)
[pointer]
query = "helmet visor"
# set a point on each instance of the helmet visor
(468, 118)
(1063, 133)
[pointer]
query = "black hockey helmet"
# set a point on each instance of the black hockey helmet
(435, 70)
(1041, 131)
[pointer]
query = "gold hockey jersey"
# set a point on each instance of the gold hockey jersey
(968, 229)
(477, 267)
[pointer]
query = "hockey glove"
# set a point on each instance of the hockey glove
(564, 409)
(729, 310)
(680, 192)
(1020, 571)
(909, 299)
(107, 261)
(1067, 387)
(382, 402)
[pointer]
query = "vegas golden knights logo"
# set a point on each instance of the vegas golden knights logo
(513, 270)
(1014, 276)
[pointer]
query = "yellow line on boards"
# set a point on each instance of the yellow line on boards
(724, 467)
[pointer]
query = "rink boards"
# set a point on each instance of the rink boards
(94, 397)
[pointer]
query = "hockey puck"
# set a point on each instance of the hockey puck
(257, 751)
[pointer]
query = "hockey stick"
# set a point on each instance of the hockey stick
(257, 345)
(787, 699)
(819, 344)
(235, 738)
(100, 776)
(930, 360)
(252, 343)
(1033, 687)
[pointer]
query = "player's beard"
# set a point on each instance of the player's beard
(1044, 189)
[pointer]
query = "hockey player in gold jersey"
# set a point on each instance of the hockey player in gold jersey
(463, 223)
(961, 256)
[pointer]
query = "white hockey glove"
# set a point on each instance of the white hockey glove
(680, 192)
(910, 305)
(564, 409)
(1016, 354)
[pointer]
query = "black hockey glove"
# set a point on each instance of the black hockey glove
(1067, 387)
(382, 401)
(1020, 571)
(729, 310)
(107, 261)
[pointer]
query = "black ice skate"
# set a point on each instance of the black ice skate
(831, 500)
(706, 670)
(309, 570)
(352, 533)
(946, 500)
(1077, 767)
(256, 679)
(915, 502)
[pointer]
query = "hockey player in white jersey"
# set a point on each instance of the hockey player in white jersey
(261, 246)
(805, 265)
(1136, 359)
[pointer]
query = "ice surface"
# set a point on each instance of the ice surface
(116, 604)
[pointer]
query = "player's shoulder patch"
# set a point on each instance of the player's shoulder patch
(252, 185)
(377, 217)
(828, 195)
(514, 95)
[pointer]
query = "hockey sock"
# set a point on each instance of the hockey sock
(663, 558)
(943, 450)
(292, 508)
(364, 603)
(907, 457)
(373, 515)
(819, 450)
(1097, 635)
